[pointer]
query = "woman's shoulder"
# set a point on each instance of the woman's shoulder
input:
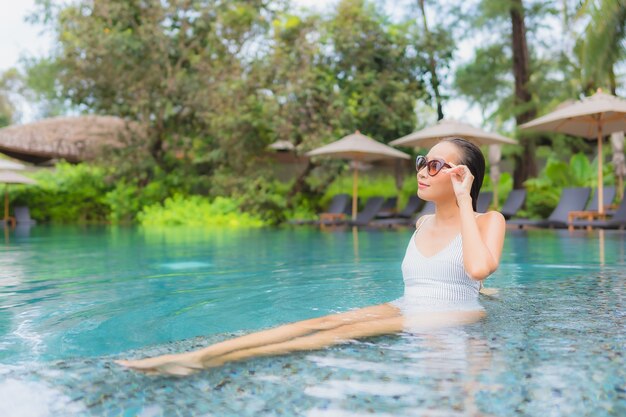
(491, 217)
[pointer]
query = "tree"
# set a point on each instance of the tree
(335, 74)
(41, 86)
(525, 164)
(171, 66)
(514, 85)
(9, 84)
(604, 44)
(376, 73)
(437, 47)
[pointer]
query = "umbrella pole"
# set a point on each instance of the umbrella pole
(6, 205)
(355, 181)
(495, 197)
(600, 162)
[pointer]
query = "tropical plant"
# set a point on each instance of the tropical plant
(198, 212)
(545, 190)
(604, 43)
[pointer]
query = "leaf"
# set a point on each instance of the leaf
(580, 170)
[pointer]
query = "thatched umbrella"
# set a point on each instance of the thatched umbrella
(592, 118)
(358, 148)
(429, 136)
(74, 139)
(9, 177)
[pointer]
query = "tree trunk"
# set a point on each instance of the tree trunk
(300, 185)
(156, 148)
(432, 63)
(525, 164)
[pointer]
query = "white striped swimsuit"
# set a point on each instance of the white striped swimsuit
(438, 282)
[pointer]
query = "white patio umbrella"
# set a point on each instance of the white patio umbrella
(358, 148)
(282, 145)
(429, 136)
(592, 118)
(9, 177)
(10, 165)
(445, 128)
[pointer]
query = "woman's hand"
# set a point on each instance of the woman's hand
(462, 180)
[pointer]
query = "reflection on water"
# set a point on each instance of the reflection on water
(72, 299)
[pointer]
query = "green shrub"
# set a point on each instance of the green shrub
(543, 192)
(198, 211)
(127, 199)
(67, 194)
(303, 209)
(372, 186)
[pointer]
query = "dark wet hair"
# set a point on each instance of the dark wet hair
(473, 158)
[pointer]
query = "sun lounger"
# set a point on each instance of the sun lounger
(608, 196)
(514, 202)
(411, 207)
(616, 221)
(372, 207)
(336, 211)
(389, 208)
(572, 199)
(484, 200)
(22, 216)
(428, 208)
(403, 217)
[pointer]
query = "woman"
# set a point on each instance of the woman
(448, 256)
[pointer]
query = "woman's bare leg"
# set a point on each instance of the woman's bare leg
(188, 363)
(314, 341)
(267, 337)
(342, 334)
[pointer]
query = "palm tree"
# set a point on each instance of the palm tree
(525, 164)
(604, 45)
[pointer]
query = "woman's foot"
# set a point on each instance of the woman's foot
(176, 365)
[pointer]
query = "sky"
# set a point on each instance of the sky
(19, 38)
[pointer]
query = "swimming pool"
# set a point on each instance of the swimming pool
(72, 299)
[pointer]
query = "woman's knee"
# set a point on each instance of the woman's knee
(362, 315)
(325, 323)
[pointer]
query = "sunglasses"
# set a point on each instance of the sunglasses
(434, 165)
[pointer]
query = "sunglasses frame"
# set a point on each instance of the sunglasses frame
(436, 165)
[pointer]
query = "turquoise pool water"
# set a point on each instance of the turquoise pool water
(72, 299)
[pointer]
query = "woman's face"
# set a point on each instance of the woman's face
(438, 187)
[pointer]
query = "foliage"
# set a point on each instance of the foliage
(127, 199)
(374, 71)
(67, 194)
(8, 85)
(372, 186)
(505, 185)
(41, 86)
(214, 82)
(86, 193)
(543, 192)
(175, 67)
(197, 211)
(604, 43)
